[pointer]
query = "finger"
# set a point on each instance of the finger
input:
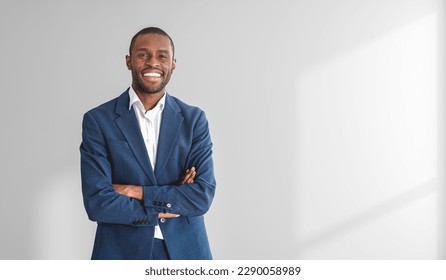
(167, 215)
(191, 178)
(190, 174)
(185, 176)
(185, 180)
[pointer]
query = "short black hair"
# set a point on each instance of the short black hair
(151, 30)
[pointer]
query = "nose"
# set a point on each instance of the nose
(152, 61)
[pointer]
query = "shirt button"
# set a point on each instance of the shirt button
(162, 220)
(168, 205)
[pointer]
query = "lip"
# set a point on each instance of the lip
(152, 73)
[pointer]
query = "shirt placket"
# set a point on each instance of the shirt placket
(150, 140)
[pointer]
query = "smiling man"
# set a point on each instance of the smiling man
(146, 163)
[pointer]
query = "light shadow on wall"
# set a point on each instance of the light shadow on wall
(380, 226)
(61, 229)
(368, 121)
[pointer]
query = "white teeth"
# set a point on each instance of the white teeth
(151, 74)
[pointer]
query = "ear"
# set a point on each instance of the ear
(174, 63)
(128, 62)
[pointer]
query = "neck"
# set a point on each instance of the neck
(149, 100)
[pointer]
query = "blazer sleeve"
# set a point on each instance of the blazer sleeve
(189, 199)
(101, 202)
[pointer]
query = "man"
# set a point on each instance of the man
(146, 164)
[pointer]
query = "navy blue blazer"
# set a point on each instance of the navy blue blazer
(113, 152)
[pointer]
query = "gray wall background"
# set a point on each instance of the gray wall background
(327, 119)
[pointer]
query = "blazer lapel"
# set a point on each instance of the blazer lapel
(128, 124)
(169, 130)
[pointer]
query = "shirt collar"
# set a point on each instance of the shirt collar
(134, 99)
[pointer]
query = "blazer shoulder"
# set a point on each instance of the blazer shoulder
(108, 107)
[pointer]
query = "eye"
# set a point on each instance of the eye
(142, 55)
(162, 56)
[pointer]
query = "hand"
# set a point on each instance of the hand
(167, 215)
(129, 190)
(188, 177)
(136, 192)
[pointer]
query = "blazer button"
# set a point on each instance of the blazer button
(162, 220)
(168, 205)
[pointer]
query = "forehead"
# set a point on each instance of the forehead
(153, 42)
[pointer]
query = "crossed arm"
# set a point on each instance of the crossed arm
(106, 202)
(136, 192)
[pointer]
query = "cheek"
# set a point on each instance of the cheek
(135, 65)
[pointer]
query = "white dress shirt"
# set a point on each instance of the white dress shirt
(149, 123)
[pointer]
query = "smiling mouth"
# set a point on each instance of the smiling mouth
(152, 74)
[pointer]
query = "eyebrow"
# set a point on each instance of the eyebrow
(159, 51)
